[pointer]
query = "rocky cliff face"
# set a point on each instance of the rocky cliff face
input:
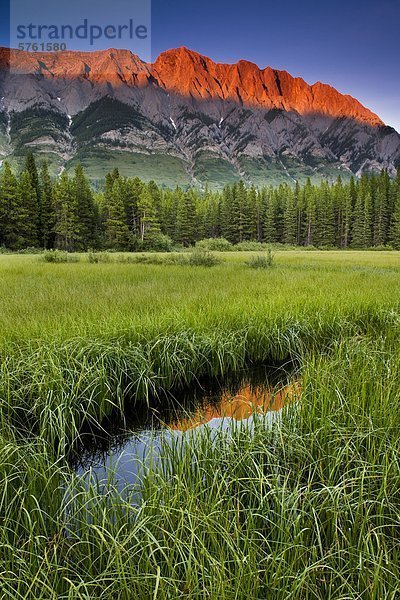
(184, 119)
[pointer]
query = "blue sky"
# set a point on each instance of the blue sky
(351, 44)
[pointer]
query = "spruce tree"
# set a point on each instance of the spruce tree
(273, 218)
(324, 234)
(380, 216)
(117, 234)
(67, 226)
(31, 168)
(245, 218)
(132, 190)
(86, 210)
(29, 211)
(395, 229)
(11, 216)
(209, 216)
(147, 219)
(47, 209)
(186, 220)
(290, 218)
(169, 210)
(362, 221)
(226, 224)
(310, 212)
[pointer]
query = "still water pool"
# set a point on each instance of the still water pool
(122, 452)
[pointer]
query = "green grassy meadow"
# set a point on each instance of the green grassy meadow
(307, 509)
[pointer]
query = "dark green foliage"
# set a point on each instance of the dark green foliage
(86, 209)
(31, 124)
(130, 214)
(395, 228)
(186, 220)
(47, 216)
(29, 210)
(105, 115)
(117, 234)
(11, 214)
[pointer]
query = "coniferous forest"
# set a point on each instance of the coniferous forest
(129, 215)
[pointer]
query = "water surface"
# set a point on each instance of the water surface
(124, 449)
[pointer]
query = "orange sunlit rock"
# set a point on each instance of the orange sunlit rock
(186, 73)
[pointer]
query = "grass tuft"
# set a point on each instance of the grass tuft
(262, 261)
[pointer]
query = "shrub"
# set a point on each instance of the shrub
(215, 244)
(381, 248)
(251, 246)
(263, 261)
(99, 257)
(155, 243)
(59, 256)
(202, 258)
(144, 259)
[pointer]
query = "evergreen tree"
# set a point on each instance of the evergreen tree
(186, 220)
(117, 234)
(67, 227)
(274, 217)
(132, 190)
(47, 210)
(362, 221)
(244, 218)
(29, 211)
(226, 221)
(147, 219)
(209, 216)
(324, 234)
(310, 205)
(343, 213)
(395, 228)
(11, 217)
(156, 197)
(347, 214)
(169, 210)
(380, 216)
(290, 218)
(34, 212)
(86, 210)
(31, 169)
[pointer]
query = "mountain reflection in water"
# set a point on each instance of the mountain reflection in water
(123, 451)
(247, 402)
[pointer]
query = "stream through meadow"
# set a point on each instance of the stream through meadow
(122, 451)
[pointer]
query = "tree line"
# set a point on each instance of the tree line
(129, 214)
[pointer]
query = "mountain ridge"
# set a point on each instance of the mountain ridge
(181, 59)
(211, 121)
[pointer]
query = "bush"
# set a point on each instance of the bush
(381, 248)
(99, 257)
(59, 256)
(264, 261)
(155, 243)
(144, 259)
(215, 244)
(251, 246)
(202, 258)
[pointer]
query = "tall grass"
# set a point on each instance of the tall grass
(308, 508)
(261, 261)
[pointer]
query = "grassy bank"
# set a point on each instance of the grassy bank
(309, 509)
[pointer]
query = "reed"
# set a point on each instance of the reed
(307, 508)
